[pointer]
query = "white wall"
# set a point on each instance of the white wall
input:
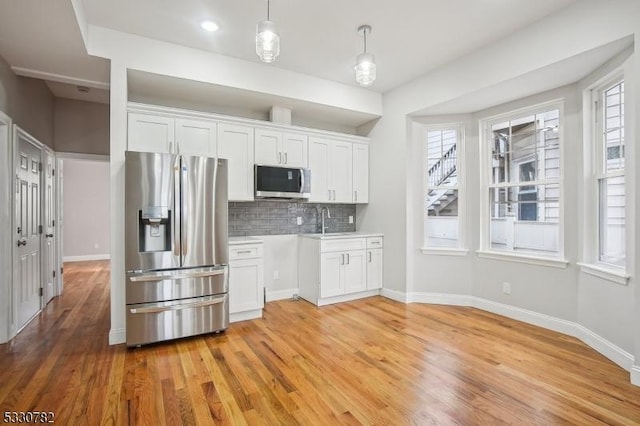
(6, 233)
(86, 209)
(281, 256)
(516, 67)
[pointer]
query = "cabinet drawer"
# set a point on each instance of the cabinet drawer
(245, 251)
(374, 242)
(343, 245)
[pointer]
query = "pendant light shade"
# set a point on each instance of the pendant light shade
(365, 62)
(267, 40)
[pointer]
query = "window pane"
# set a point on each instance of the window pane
(442, 220)
(613, 128)
(530, 139)
(442, 158)
(525, 218)
(612, 220)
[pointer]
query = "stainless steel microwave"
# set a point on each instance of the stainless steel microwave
(282, 182)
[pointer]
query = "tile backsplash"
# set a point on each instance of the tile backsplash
(280, 217)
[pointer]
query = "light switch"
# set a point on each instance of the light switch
(350, 219)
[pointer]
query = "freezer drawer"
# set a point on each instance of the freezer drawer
(176, 284)
(154, 322)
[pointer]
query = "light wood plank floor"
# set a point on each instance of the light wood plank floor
(372, 361)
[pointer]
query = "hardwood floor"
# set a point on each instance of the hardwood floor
(372, 361)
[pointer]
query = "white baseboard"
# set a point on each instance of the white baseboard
(247, 315)
(86, 257)
(611, 351)
(635, 375)
(281, 294)
(117, 336)
(398, 296)
(347, 297)
(440, 299)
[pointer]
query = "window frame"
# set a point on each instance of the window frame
(486, 185)
(460, 248)
(595, 172)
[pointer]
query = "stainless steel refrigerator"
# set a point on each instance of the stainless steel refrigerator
(176, 253)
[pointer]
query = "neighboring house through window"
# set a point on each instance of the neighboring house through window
(442, 200)
(609, 171)
(523, 181)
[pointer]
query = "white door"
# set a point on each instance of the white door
(196, 137)
(150, 133)
(294, 147)
(269, 148)
(319, 150)
(342, 172)
(331, 274)
(360, 173)
(374, 269)
(355, 272)
(27, 278)
(235, 143)
(49, 253)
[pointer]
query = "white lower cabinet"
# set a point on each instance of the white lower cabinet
(333, 269)
(246, 280)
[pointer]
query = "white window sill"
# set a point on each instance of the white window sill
(615, 275)
(443, 251)
(523, 258)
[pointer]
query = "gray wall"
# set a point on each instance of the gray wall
(81, 127)
(86, 209)
(280, 217)
(28, 102)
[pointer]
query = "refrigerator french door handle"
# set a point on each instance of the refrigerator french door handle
(176, 231)
(183, 209)
(158, 309)
(162, 277)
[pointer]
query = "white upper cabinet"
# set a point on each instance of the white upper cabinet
(169, 135)
(195, 137)
(331, 164)
(294, 148)
(235, 143)
(360, 173)
(274, 148)
(150, 133)
(342, 172)
(319, 163)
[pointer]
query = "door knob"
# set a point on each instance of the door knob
(49, 235)
(22, 243)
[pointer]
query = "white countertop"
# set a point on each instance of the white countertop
(234, 241)
(338, 235)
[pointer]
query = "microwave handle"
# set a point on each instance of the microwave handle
(302, 180)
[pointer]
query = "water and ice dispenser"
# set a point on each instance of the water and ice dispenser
(154, 227)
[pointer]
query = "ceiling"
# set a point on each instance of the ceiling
(410, 37)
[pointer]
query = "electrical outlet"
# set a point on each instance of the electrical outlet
(350, 219)
(506, 287)
(299, 220)
(276, 275)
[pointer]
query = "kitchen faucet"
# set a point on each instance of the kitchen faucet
(322, 210)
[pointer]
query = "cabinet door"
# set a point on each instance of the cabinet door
(341, 172)
(150, 133)
(196, 137)
(319, 157)
(355, 271)
(374, 269)
(294, 148)
(246, 285)
(269, 147)
(235, 143)
(360, 173)
(331, 274)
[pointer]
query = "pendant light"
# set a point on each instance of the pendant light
(365, 62)
(267, 40)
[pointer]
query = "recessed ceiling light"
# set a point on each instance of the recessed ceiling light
(209, 26)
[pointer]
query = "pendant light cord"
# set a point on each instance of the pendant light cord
(268, 1)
